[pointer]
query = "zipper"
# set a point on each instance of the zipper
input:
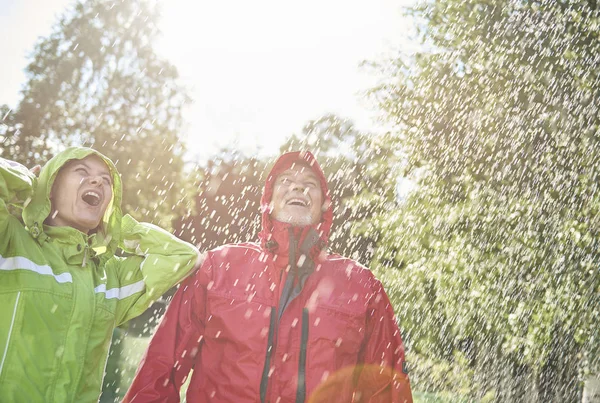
(276, 314)
(12, 322)
(301, 390)
(265, 376)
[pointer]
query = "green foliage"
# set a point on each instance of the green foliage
(498, 246)
(126, 352)
(95, 80)
(329, 134)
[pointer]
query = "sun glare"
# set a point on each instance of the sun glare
(258, 71)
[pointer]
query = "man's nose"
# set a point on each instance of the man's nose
(298, 186)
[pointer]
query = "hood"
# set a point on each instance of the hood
(36, 212)
(284, 162)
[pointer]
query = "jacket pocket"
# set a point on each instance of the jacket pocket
(10, 304)
(31, 343)
(335, 338)
(231, 319)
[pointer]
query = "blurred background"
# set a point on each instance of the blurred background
(460, 138)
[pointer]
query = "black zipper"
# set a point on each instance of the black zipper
(276, 316)
(265, 376)
(288, 294)
(301, 390)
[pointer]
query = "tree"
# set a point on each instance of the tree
(97, 81)
(227, 201)
(496, 252)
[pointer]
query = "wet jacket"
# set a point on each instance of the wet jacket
(62, 292)
(277, 321)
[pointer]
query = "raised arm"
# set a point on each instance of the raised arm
(16, 186)
(174, 346)
(159, 261)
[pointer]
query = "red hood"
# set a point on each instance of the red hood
(277, 231)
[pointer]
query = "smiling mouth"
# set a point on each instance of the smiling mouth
(297, 202)
(91, 198)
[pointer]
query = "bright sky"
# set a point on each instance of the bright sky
(258, 70)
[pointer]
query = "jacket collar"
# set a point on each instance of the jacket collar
(76, 247)
(285, 239)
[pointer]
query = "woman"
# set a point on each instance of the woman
(62, 289)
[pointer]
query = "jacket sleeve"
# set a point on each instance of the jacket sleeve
(172, 351)
(383, 377)
(159, 261)
(16, 186)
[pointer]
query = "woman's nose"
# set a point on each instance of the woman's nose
(95, 180)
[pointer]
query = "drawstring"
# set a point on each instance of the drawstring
(85, 256)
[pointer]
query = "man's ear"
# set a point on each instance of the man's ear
(325, 206)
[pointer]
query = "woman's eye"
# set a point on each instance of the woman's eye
(107, 181)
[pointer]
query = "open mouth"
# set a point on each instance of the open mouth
(92, 198)
(297, 202)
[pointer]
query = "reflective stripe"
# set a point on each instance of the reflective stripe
(12, 322)
(22, 263)
(123, 292)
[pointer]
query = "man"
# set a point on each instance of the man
(280, 320)
(62, 289)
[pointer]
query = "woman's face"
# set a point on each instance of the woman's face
(80, 194)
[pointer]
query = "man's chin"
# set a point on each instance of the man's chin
(296, 221)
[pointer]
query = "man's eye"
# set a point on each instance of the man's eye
(81, 170)
(107, 180)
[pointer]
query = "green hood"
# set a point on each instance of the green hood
(35, 213)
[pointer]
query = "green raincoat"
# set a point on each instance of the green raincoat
(62, 292)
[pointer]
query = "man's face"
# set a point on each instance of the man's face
(80, 194)
(297, 198)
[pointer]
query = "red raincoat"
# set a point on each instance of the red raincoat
(277, 321)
